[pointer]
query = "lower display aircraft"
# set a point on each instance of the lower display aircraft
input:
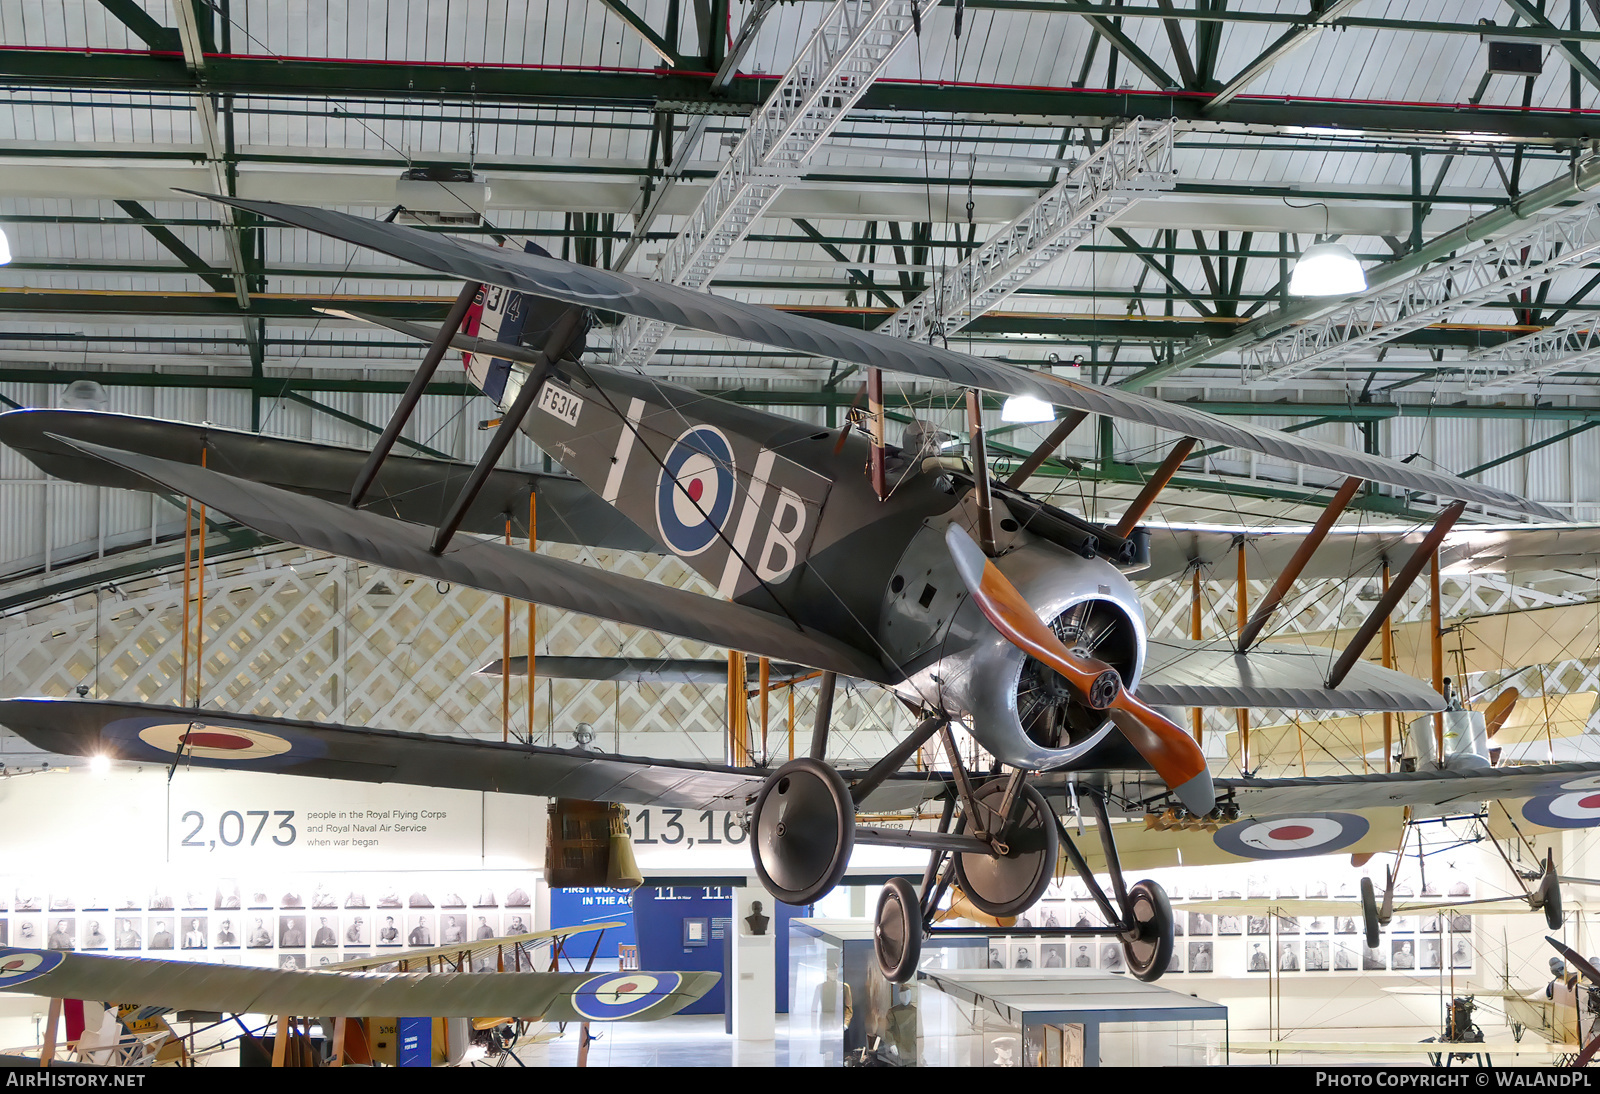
(909, 567)
(443, 993)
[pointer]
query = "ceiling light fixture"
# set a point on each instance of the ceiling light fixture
(1025, 408)
(5, 248)
(1326, 268)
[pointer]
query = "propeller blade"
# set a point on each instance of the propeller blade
(1576, 959)
(1496, 713)
(1167, 748)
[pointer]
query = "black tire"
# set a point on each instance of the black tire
(1149, 948)
(897, 931)
(1010, 884)
(802, 830)
(1369, 913)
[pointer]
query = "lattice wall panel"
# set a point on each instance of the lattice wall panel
(291, 634)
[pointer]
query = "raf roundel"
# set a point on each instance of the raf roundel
(1577, 806)
(614, 996)
(208, 742)
(19, 965)
(1292, 835)
(694, 493)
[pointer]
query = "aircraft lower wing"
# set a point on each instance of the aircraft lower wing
(644, 670)
(407, 487)
(609, 291)
(1406, 1048)
(468, 953)
(495, 568)
(1355, 552)
(231, 989)
(1553, 784)
(143, 733)
(1181, 672)
(1352, 906)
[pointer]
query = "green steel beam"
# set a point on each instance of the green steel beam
(579, 89)
(1138, 58)
(219, 280)
(1527, 448)
(643, 29)
(351, 419)
(153, 34)
(1567, 47)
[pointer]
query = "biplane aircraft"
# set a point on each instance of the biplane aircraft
(485, 994)
(903, 566)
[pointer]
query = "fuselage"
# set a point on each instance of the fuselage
(780, 515)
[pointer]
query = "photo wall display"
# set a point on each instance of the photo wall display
(1245, 944)
(284, 921)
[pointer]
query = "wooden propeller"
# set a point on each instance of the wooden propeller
(1168, 749)
(1499, 709)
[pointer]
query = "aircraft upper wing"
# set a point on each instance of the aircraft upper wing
(609, 291)
(231, 989)
(495, 568)
(145, 733)
(407, 487)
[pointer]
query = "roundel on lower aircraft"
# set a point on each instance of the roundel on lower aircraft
(19, 965)
(695, 491)
(1294, 835)
(162, 740)
(1575, 805)
(612, 996)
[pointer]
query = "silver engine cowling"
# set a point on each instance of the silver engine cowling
(1020, 710)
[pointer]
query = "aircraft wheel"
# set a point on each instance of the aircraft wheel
(1369, 913)
(1009, 884)
(1149, 947)
(897, 933)
(803, 828)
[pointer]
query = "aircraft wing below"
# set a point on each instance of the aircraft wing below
(1352, 906)
(232, 989)
(1526, 1047)
(1437, 788)
(610, 291)
(407, 487)
(1181, 672)
(1350, 552)
(465, 951)
(145, 733)
(645, 670)
(496, 568)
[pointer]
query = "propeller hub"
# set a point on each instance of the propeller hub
(1103, 692)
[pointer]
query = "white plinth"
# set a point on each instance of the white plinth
(752, 991)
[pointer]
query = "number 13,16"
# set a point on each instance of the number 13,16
(672, 830)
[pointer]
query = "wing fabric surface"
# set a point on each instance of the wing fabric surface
(407, 488)
(1357, 552)
(471, 950)
(1441, 788)
(1181, 672)
(231, 989)
(81, 727)
(496, 568)
(641, 670)
(609, 291)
